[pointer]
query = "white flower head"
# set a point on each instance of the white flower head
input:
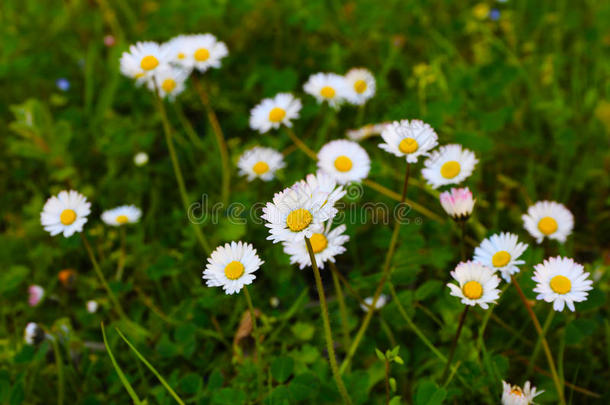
(204, 51)
(179, 48)
(327, 87)
(325, 245)
(321, 183)
(125, 214)
(345, 161)
(450, 164)
(65, 213)
(458, 203)
(409, 139)
(168, 82)
(92, 306)
(514, 395)
(33, 334)
(548, 219)
(140, 159)
(35, 295)
(381, 301)
(562, 281)
(361, 85)
(143, 59)
(232, 266)
(501, 252)
(477, 284)
(274, 112)
(294, 214)
(260, 162)
(366, 131)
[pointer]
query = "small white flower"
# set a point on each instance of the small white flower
(125, 214)
(65, 213)
(92, 306)
(35, 295)
(326, 245)
(140, 159)
(366, 131)
(143, 59)
(295, 214)
(410, 139)
(321, 183)
(345, 161)
(329, 87)
(204, 51)
(33, 334)
(273, 112)
(548, 219)
(360, 85)
(458, 203)
(261, 163)
(450, 164)
(168, 81)
(178, 51)
(381, 301)
(514, 395)
(232, 266)
(562, 281)
(501, 252)
(477, 284)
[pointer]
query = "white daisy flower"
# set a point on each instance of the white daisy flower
(548, 219)
(458, 203)
(514, 395)
(92, 306)
(326, 245)
(179, 48)
(33, 334)
(204, 51)
(344, 160)
(450, 164)
(140, 159)
(360, 84)
(562, 281)
(381, 301)
(35, 295)
(477, 284)
(65, 213)
(500, 252)
(273, 112)
(125, 214)
(168, 81)
(329, 87)
(366, 131)
(232, 266)
(261, 163)
(143, 59)
(410, 139)
(295, 214)
(324, 183)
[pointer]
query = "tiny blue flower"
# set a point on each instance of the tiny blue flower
(62, 84)
(494, 14)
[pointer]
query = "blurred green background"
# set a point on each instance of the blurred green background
(524, 84)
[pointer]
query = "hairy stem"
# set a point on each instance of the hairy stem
(458, 332)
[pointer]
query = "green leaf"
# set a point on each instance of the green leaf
(191, 383)
(281, 368)
(303, 331)
(11, 279)
(428, 393)
(380, 354)
(304, 386)
(228, 396)
(579, 329)
(427, 289)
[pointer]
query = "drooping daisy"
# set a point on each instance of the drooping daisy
(366, 131)
(324, 183)
(125, 214)
(345, 161)
(458, 203)
(232, 266)
(548, 219)
(562, 281)
(168, 82)
(360, 85)
(514, 395)
(410, 139)
(33, 334)
(326, 245)
(329, 87)
(381, 301)
(92, 306)
(294, 214)
(501, 252)
(260, 162)
(204, 51)
(65, 213)
(143, 59)
(477, 284)
(273, 112)
(450, 164)
(35, 295)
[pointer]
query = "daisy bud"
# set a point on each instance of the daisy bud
(458, 203)
(140, 159)
(33, 334)
(92, 306)
(381, 301)
(35, 294)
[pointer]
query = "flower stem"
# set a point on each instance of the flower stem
(384, 277)
(178, 173)
(327, 331)
(545, 345)
(300, 144)
(222, 145)
(121, 265)
(342, 307)
(454, 344)
(463, 240)
(188, 128)
(259, 353)
(534, 357)
(60, 372)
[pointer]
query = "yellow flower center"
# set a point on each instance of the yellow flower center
(260, 168)
(277, 114)
(181, 55)
(168, 85)
(517, 392)
(500, 259)
(122, 219)
(473, 290)
(318, 242)
(299, 219)
(547, 225)
(67, 216)
(149, 62)
(234, 270)
(360, 86)
(327, 92)
(408, 145)
(343, 163)
(450, 169)
(202, 54)
(561, 284)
